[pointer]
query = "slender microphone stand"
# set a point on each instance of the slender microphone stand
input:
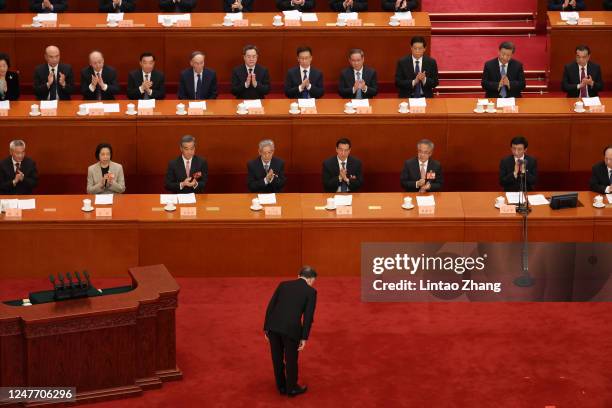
(525, 280)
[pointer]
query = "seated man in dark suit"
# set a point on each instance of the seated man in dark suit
(237, 6)
(601, 174)
(18, 173)
(301, 5)
(53, 80)
(117, 6)
(177, 6)
(517, 165)
(146, 82)
(503, 77)
(607, 5)
(347, 6)
(304, 81)
(98, 81)
(422, 173)
(399, 5)
(266, 174)
(250, 81)
(187, 173)
(582, 79)
(342, 173)
(2, 4)
(566, 5)
(358, 81)
(48, 6)
(416, 75)
(198, 82)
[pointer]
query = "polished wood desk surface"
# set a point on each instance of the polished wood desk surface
(601, 19)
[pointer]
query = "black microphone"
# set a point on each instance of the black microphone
(52, 279)
(78, 276)
(69, 276)
(87, 277)
(61, 279)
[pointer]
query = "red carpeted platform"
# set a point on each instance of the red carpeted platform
(381, 355)
(461, 6)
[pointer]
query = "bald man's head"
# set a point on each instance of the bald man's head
(96, 61)
(52, 55)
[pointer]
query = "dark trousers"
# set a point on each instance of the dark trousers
(285, 360)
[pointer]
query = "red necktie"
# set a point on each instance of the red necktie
(583, 90)
(187, 167)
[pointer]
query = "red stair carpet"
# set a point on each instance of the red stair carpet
(478, 6)
(381, 355)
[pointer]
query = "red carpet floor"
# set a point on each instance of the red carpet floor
(462, 6)
(382, 355)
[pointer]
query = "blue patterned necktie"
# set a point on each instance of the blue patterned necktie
(359, 94)
(417, 89)
(305, 93)
(343, 185)
(502, 91)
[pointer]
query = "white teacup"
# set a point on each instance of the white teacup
(227, 21)
(341, 22)
(579, 106)
(480, 107)
(167, 21)
(403, 107)
(242, 108)
(598, 200)
(112, 23)
(36, 21)
(277, 20)
(82, 109)
(294, 107)
(87, 204)
(348, 107)
(169, 207)
(499, 201)
(572, 20)
(490, 106)
(407, 201)
(35, 109)
(330, 202)
(255, 203)
(180, 107)
(394, 20)
(131, 108)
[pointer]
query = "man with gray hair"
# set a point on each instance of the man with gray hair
(187, 173)
(99, 81)
(18, 173)
(421, 173)
(266, 173)
(197, 82)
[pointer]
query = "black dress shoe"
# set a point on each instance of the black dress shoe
(282, 391)
(297, 391)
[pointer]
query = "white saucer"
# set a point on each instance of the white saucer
(259, 208)
(278, 25)
(131, 113)
(82, 114)
(167, 25)
(36, 25)
(477, 111)
(181, 113)
(242, 113)
(87, 210)
(330, 208)
(570, 23)
(580, 111)
(394, 25)
(399, 111)
(169, 210)
(340, 25)
(227, 25)
(491, 111)
(295, 112)
(350, 112)
(112, 25)
(34, 114)
(599, 206)
(407, 207)
(498, 206)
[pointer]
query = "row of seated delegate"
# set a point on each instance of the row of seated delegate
(342, 172)
(416, 76)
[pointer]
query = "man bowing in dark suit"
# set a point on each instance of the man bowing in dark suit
(146, 82)
(601, 174)
(422, 173)
(266, 173)
(416, 76)
(358, 81)
(117, 6)
(517, 165)
(289, 317)
(53, 80)
(582, 79)
(503, 77)
(342, 173)
(304, 81)
(98, 81)
(18, 173)
(187, 173)
(198, 82)
(250, 81)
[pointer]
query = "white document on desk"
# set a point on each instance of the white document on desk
(403, 15)
(609, 197)
(515, 197)
(103, 199)
(594, 101)
(114, 17)
(360, 103)
(48, 104)
(9, 203)
(426, 201)
(418, 102)
(47, 16)
(267, 198)
(146, 104)
(566, 15)
(197, 105)
(5, 105)
(234, 16)
(348, 16)
(307, 103)
(505, 102)
(341, 200)
(186, 198)
(309, 17)
(168, 199)
(253, 103)
(111, 108)
(28, 204)
(292, 14)
(537, 199)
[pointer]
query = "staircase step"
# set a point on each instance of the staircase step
(473, 86)
(481, 16)
(483, 28)
(471, 75)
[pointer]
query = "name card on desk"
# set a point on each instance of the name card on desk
(309, 110)
(585, 21)
(417, 109)
(406, 23)
(104, 212)
(48, 24)
(354, 23)
(427, 210)
(510, 109)
(96, 110)
(189, 212)
(256, 110)
(597, 109)
(344, 210)
(241, 23)
(3, 112)
(275, 211)
(507, 209)
(292, 23)
(183, 23)
(48, 108)
(195, 111)
(145, 111)
(12, 213)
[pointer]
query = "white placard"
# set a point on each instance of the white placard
(537, 199)
(48, 104)
(252, 103)
(482, 102)
(292, 14)
(348, 16)
(186, 198)
(96, 105)
(111, 108)
(609, 197)
(309, 17)
(267, 198)
(9, 203)
(173, 17)
(103, 199)
(146, 104)
(340, 200)
(5, 105)
(425, 201)
(234, 16)
(403, 15)
(307, 103)
(47, 17)
(168, 199)
(197, 105)
(360, 103)
(28, 204)
(114, 17)
(594, 101)
(503, 102)
(566, 15)
(417, 102)
(515, 197)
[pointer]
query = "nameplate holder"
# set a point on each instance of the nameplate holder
(195, 111)
(363, 109)
(183, 23)
(126, 23)
(48, 112)
(12, 213)
(96, 111)
(507, 209)
(145, 111)
(256, 111)
(189, 212)
(344, 210)
(354, 23)
(417, 109)
(407, 23)
(585, 21)
(308, 111)
(213, 208)
(241, 23)
(510, 109)
(427, 210)
(3, 112)
(48, 24)
(104, 212)
(292, 23)
(592, 109)
(374, 207)
(274, 211)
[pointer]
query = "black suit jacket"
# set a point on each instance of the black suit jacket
(239, 75)
(599, 178)
(7, 174)
(347, 80)
(282, 5)
(506, 173)
(294, 79)
(2, 4)
(491, 76)
(176, 175)
(109, 76)
(135, 80)
(187, 85)
(185, 6)
(411, 173)
(291, 300)
(389, 5)
(358, 5)
(404, 75)
(257, 173)
(607, 4)
(331, 171)
(12, 85)
(41, 73)
(571, 78)
(127, 6)
(247, 5)
(58, 6)
(558, 5)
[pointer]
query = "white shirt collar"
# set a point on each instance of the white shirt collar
(519, 158)
(247, 67)
(185, 160)
(147, 73)
(56, 68)
(340, 162)
(426, 162)
(302, 70)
